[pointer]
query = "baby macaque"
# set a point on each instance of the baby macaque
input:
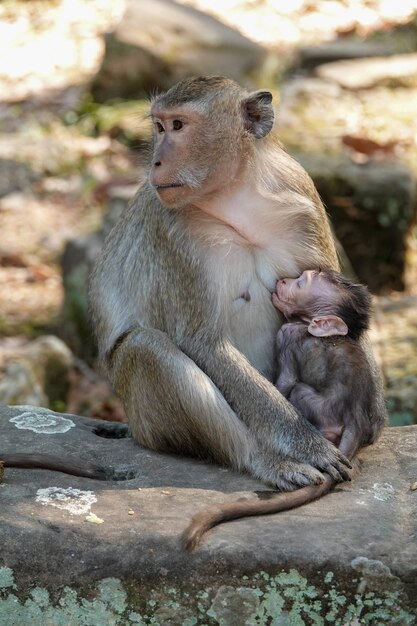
(323, 370)
(325, 373)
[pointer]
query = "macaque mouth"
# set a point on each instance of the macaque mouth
(169, 186)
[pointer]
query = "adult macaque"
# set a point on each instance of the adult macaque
(181, 295)
(324, 372)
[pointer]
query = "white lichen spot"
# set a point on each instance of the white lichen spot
(41, 421)
(6, 578)
(382, 491)
(370, 567)
(74, 501)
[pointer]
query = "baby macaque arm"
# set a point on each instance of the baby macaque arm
(286, 379)
(306, 399)
(287, 357)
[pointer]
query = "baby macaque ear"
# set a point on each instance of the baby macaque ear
(258, 113)
(327, 325)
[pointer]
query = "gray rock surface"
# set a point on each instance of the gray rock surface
(311, 56)
(400, 69)
(158, 42)
(372, 207)
(395, 339)
(15, 176)
(77, 263)
(36, 373)
(351, 555)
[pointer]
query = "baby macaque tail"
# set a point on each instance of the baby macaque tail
(204, 521)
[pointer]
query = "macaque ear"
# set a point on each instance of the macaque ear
(327, 326)
(258, 113)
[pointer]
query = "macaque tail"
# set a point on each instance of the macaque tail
(204, 521)
(54, 463)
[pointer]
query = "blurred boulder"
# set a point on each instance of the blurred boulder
(398, 70)
(36, 373)
(310, 57)
(158, 42)
(15, 176)
(372, 207)
(77, 263)
(395, 337)
(44, 372)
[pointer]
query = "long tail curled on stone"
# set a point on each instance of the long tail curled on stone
(54, 463)
(204, 521)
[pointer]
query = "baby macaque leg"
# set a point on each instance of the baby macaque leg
(316, 408)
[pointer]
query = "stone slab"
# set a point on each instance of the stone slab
(399, 69)
(159, 42)
(358, 543)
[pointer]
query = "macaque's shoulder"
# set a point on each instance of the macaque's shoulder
(293, 336)
(292, 331)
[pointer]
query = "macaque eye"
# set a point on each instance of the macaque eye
(159, 127)
(177, 125)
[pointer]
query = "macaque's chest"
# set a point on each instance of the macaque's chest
(244, 277)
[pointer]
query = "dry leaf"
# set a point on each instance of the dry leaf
(93, 519)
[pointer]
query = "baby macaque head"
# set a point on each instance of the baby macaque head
(330, 303)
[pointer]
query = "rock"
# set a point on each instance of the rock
(36, 372)
(77, 262)
(400, 69)
(15, 176)
(70, 55)
(45, 372)
(348, 558)
(312, 56)
(159, 42)
(395, 338)
(372, 208)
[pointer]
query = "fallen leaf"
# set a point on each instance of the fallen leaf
(367, 146)
(93, 519)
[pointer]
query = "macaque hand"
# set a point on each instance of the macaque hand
(283, 472)
(325, 457)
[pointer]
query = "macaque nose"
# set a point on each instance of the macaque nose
(157, 163)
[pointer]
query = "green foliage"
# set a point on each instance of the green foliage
(124, 120)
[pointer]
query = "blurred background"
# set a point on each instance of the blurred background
(75, 77)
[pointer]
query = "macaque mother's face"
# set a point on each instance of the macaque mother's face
(306, 295)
